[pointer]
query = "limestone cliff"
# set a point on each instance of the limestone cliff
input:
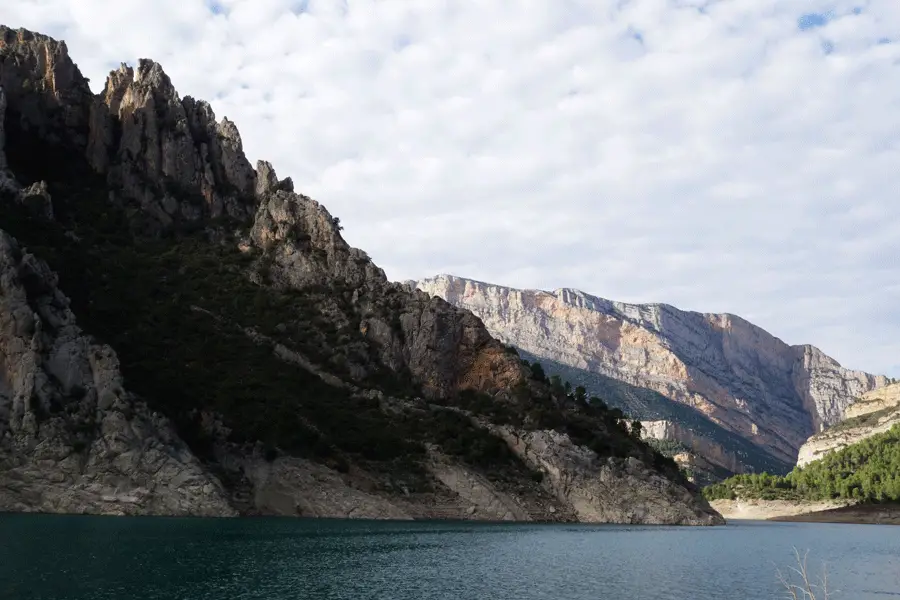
(873, 413)
(733, 373)
(701, 454)
(261, 364)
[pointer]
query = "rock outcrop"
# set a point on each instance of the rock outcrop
(873, 413)
(730, 371)
(444, 348)
(51, 96)
(169, 155)
(707, 450)
(72, 439)
(607, 490)
(165, 230)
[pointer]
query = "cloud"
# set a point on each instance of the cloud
(737, 156)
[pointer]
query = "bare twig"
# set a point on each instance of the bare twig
(807, 589)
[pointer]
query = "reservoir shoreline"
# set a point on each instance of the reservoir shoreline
(826, 511)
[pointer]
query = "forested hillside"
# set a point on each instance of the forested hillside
(868, 471)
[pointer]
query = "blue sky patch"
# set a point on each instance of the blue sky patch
(298, 7)
(216, 7)
(812, 20)
(637, 35)
(401, 41)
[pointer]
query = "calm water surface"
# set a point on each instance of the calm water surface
(95, 558)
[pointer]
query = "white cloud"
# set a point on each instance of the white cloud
(716, 155)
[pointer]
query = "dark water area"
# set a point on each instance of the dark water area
(48, 557)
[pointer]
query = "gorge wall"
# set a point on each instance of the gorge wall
(732, 373)
(873, 413)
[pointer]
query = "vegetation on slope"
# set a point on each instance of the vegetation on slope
(868, 471)
(648, 405)
(871, 419)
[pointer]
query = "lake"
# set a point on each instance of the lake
(50, 557)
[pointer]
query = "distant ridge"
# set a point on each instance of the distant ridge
(728, 371)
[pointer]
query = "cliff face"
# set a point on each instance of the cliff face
(444, 348)
(71, 438)
(732, 372)
(873, 413)
(703, 450)
(261, 364)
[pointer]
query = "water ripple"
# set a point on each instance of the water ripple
(46, 557)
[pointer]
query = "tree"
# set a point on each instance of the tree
(537, 372)
(636, 428)
(557, 384)
(580, 394)
(598, 402)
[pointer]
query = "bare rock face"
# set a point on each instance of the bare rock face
(169, 155)
(166, 154)
(827, 389)
(445, 349)
(711, 451)
(873, 413)
(736, 374)
(71, 438)
(267, 182)
(609, 490)
(49, 92)
(37, 198)
(304, 240)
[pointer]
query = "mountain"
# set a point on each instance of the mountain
(184, 334)
(740, 397)
(874, 413)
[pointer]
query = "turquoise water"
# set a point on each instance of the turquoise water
(50, 557)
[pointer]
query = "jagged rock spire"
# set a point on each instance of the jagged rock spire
(170, 155)
(49, 93)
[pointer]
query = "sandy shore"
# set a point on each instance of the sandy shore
(762, 510)
(877, 514)
(833, 511)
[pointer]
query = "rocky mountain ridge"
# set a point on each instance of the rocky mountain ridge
(724, 368)
(874, 412)
(261, 364)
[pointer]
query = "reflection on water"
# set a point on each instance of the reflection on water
(94, 558)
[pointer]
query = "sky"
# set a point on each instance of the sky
(737, 156)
